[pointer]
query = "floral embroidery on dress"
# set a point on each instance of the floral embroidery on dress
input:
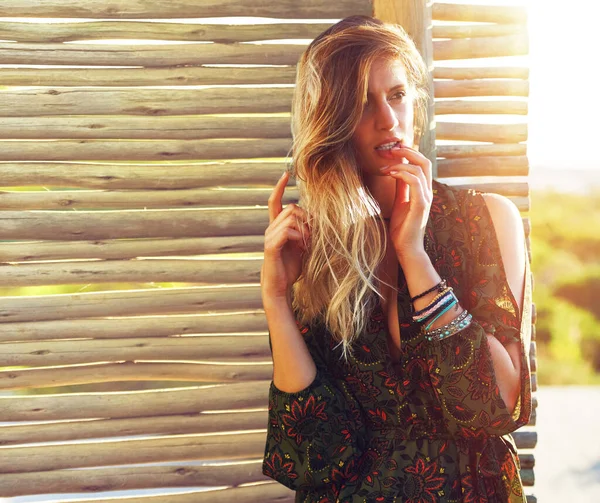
(432, 426)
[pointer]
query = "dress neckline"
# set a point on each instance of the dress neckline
(403, 305)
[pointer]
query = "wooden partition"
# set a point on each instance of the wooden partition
(135, 180)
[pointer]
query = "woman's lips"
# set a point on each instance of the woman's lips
(388, 153)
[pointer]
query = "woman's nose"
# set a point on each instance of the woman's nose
(386, 117)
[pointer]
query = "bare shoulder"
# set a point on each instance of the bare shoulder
(508, 225)
(501, 207)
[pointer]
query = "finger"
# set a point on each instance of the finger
(304, 229)
(289, 209)
(302, 226)
(279, 217)
(276, 196)
(416, 158)
(290, 219)
(276, 242)
(411, 168)
(417, 196)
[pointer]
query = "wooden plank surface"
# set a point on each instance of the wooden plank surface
(149, 9)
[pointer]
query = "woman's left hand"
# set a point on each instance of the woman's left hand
(410, 210)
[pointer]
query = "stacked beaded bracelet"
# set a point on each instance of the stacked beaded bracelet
(441, 304)
(445, 309)
(462, 321)
(433, 307)
(439, 287)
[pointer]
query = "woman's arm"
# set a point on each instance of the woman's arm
(421, 275)
(473, 377)
(293, 367)
(315, 436)
(509, 231)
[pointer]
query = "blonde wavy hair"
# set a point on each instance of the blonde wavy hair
(338, 284)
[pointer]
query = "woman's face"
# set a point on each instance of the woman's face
(388, 113)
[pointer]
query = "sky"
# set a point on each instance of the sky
(564, 105)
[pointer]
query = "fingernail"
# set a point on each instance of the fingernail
(282, 175)
(384, 168)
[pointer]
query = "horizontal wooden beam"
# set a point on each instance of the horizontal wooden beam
(479, 13)
(143, 102)
(115, 249)
(156, 9)
(144, 150)
(143, 30)
(150, 55)
(473, 31)
(166, 325)
(132, 127)
(481, 72)
(132, 371)
(154, 301)
(107, 452)
(121, 478)
(480, 87)
(192, 400)
(512, 107)
(148, 199)
(221, 348)
(265, 493)
(166, 76)
(78, 225)
(493, 165)
(191, 423)
(469, 151)
(492, 133)
(162, 175)
(482, 47)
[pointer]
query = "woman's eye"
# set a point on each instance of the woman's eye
(402, 94)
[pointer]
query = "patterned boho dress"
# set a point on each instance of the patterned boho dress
(432, 426)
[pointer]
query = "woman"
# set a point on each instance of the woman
(397, 306)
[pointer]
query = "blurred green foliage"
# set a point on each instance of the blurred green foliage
(565, 245)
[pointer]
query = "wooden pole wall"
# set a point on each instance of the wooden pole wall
(148, 184)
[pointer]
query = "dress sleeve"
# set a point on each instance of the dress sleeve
(460, 366)
(314, 436)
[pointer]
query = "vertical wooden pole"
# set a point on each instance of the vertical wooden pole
(415, 17)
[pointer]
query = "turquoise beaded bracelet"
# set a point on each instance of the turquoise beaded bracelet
(453, 302)
(462, 321)
(435, 307)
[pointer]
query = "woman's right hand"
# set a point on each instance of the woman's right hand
(286, 240)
